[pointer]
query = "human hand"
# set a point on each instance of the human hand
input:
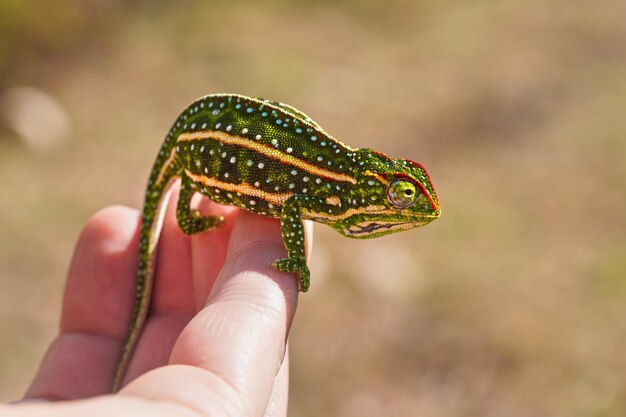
(214, 342)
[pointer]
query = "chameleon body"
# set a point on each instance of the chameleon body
(269, 158)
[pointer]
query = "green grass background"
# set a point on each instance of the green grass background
(512, 304)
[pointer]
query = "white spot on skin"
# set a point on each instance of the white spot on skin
(318, 181)
(289, 150)
(261, 165)
(319, 158)
(229, 128)
(218, 125)
(294, 172)
(226, 175)
(244, 130)
(223, 154)
(252, 202)
(305, 179)
(274, 142)
(233, 160)
(258, 137)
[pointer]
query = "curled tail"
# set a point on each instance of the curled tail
(164, 171)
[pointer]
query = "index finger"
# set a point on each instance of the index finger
(233, 348)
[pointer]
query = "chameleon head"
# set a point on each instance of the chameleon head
(399, 196)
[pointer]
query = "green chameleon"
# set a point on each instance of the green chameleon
(271, 159)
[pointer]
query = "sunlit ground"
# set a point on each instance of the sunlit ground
(512, 304)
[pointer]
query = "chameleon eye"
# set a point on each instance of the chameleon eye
(402, 193)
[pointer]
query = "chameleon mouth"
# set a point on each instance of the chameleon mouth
(375, 228)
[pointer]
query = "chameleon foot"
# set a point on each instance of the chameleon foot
(298, 266)
(196, 223)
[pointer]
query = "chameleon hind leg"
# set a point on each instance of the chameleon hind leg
(190, 220)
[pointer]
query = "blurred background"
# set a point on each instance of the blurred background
(512, 304)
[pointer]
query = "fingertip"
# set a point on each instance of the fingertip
(255, 243)
(96, 307)
(240, 335)
(101, 275)
(114, 225)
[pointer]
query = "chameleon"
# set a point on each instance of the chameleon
(269, 158)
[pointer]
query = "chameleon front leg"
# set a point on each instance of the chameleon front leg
(190, 220)
(292, 231)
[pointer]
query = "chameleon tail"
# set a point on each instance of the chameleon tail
(164, 171)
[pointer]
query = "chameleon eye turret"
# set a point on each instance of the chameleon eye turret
(272, 159)
(402, 193)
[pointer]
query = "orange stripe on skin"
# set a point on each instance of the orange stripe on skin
(243, 188)
(265, 150)
(378, 210)
(166, 165)
(348, 213)
(381, 178)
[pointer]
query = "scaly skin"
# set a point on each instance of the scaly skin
(269, 158)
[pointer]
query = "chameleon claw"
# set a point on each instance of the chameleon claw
(298, 266)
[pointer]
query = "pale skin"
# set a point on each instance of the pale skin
(214, 343)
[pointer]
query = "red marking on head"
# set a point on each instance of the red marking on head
(420, 166)
(402, 175)
(382, 155)
(423, 189)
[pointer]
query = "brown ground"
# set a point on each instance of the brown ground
(512, 304)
